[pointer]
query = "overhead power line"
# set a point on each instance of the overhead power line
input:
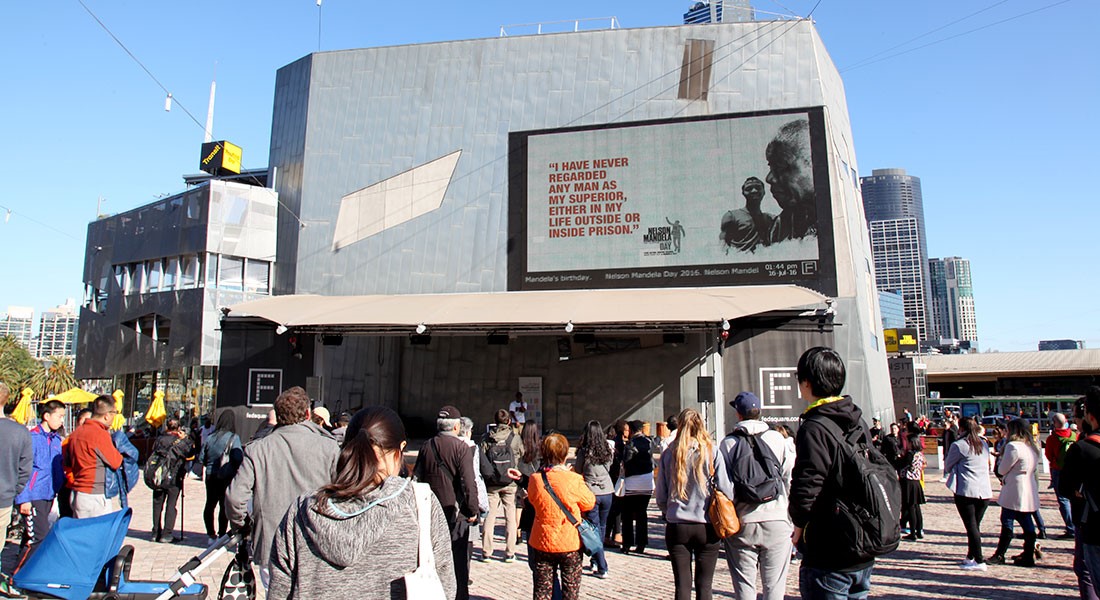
(867, 62)
(142, 65)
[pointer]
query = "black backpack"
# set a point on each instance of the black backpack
(868, 506)
(754, 470)
(163, 466)
(496, 459)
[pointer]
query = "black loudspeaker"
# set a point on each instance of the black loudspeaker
(331, 339)
(706, 389)
(584, 338)
(497, 339)
(674, 338)
(420, 340)
(565, 349)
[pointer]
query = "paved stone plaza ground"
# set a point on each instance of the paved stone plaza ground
(926, 569)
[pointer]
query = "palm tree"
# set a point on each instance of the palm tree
(16, 364)
(54, 378)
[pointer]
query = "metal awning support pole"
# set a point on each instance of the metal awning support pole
(719, 397)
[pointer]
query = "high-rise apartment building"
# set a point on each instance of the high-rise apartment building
(57, 331)
(19, 323)
(700, 12)
(894, 209)
(952, 301)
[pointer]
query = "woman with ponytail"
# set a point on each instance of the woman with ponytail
(682, 495)
(358, 536)
(967, 471)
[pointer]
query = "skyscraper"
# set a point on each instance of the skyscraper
(700, 12)
(894, 209)
(57, 331)
(952, 302)
(18, 323)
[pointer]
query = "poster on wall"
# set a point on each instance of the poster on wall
(719, 200)
(531, 388)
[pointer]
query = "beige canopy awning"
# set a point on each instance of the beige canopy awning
(528, 311)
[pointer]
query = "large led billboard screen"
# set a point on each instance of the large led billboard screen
(735, 199)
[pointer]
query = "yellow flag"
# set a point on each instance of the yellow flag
(156, 413)
(120, 418)
(22, 412)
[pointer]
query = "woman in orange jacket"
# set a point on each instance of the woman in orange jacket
(555, 544)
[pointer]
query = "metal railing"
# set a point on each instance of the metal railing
(556, 26)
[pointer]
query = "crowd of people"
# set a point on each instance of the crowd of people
(332, 509)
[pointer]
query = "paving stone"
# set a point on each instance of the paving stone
(926, 569)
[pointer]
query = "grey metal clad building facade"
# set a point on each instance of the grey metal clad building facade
(156, 278)
(420, 134)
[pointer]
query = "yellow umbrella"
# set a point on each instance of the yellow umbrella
(74, 396)
(156, 413)
(23, 409)
(120, 420)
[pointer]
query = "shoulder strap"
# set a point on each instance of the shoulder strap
(550, 488)
(439, 459)
(423, 492)
(1094, 438)
(830, 425)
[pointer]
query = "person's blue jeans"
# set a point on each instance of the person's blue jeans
(1040, 526)
(598, 517)
(1027, 523)
(1063, 502)
(819, 584)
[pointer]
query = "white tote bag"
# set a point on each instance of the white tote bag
(423, 583)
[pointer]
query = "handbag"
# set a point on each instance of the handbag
(721, 511)
(424, 581)
(591, 540)
(723, 515)
(239, 582)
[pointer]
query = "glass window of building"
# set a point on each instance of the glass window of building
(189, 272)
(154, 272)
(122, 277)
(138, 280)
(211, 270)
(231, 273)
(257, 275)
(171, 274)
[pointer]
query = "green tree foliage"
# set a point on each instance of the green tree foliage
(54, 378)
(17, 366)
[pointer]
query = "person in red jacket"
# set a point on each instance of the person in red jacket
(1060, 439)
(90, 455)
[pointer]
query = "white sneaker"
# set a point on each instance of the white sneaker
(971, 565)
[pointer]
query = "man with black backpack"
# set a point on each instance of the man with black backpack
(500, 449)
(845, 499)
(752, 470)
(164, 471)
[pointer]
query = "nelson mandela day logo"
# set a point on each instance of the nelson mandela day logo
(666, 238)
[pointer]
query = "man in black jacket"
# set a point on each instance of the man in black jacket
(826, 565)
(1078, 482)
(638, 471)
(446, 463)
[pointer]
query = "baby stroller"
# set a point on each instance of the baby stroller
(84, 558)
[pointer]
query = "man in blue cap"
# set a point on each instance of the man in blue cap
(754, 470)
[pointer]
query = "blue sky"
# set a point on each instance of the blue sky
(998, 123)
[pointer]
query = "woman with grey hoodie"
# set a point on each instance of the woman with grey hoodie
(358, 536)
(682, 494)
